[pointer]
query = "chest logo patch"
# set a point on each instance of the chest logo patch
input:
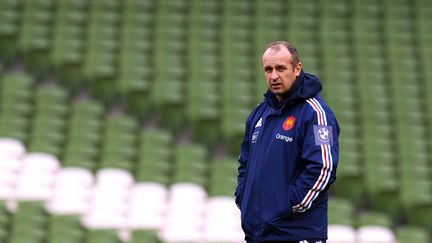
(288, 123)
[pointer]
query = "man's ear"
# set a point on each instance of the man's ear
(297, 69)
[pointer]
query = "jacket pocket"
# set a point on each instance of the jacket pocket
(238, 200)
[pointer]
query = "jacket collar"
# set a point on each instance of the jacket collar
(304, 87)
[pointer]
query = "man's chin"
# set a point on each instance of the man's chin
(277, 91)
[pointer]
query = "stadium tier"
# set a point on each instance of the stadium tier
(155, 93)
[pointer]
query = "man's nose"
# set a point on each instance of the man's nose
(274, 75)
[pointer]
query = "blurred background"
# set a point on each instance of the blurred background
(121, 120)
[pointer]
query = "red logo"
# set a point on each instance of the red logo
(288, 123)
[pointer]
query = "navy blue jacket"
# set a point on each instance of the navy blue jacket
(288, 160)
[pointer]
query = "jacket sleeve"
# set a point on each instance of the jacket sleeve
(320, 155)
(243, 159)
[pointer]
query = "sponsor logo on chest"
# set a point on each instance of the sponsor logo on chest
(285, 138)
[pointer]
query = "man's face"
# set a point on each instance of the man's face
(279, 71)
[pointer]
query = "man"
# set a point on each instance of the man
(289, 155)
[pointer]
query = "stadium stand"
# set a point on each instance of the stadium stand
(131, 102)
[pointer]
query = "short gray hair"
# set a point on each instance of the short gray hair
(294, 53)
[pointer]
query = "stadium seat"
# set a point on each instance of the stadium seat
(223, 177)
(375, 234)
(35, 236)
(16, 105)
(341, 212)
(84, 131)
(134, 74)
(4, 220)
(418, 202)
(222, 222)
(190, 164)
(108, 206)
(72, 192)
(37, 176)
(114, 178)
(185, 213)
(96, 236)
(9, 169)
(147, 210)
(48, 122)
(12, 147)
(34, 34)
(65, 229)
(339, 233)
(9, 28)
(149, 236)
(374, 218)
(412, 234)
(154, 161)
(350, 177)
(29, 222)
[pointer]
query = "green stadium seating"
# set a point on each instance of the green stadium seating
(67, 43)
(412, 234)
(154, 156)
(134, 72)
(201, 103)
(10, 16)
(194, 66)
(34, 34)
(341, 212)
(149, 236)
(5, 219)
(373, 218)
(190, 164)
(84, 132)
(29, 222)
(48, 123)
(65, 229)
(119, 142)
(98, 236)
(223, 177)
(16, 105)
